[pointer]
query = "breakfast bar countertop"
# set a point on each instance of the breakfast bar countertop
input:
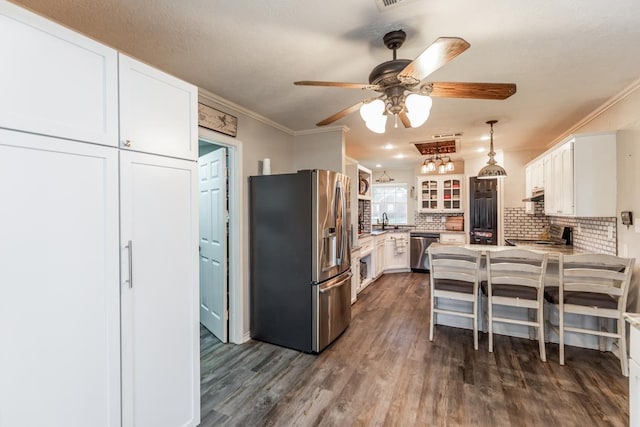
(549, 249)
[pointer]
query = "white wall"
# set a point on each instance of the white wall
(624, 116)
(260, 140)
(320, 150)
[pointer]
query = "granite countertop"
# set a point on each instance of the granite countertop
(633, 319)
(549, 248)
(431, 230)
(552, 250)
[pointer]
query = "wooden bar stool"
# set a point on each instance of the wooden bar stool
(593, 285)
(455, 273)
(515, 278)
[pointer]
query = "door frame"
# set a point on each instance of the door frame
(235, 252)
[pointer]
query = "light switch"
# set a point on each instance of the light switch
(610, 232)
(429, 219)
(443, 219)
(636, 228)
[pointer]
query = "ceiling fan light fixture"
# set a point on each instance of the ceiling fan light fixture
(492, 169)
(418, 108)
(371, 110)
(373, 115)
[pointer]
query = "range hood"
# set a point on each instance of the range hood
(535, 196)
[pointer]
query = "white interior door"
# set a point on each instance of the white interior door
(59, 274)
(160, 328)
(213, 243)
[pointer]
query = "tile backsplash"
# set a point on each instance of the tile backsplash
(432, 221)
(364, 215)
(592, 234)
(589, 234)
(520, 225)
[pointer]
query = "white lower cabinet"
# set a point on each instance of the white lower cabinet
(355, 274)
(396, 252)
(634, 393)
(452, 238)
(159, 285)
(634, 376)
(59, 293)
(367, 261)
(378, 250)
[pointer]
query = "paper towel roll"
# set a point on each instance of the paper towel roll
(266, 167)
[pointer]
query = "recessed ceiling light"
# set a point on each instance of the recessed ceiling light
(400, 156)
(484, 138)
(480, 149)
(378, 165)
(388, 146)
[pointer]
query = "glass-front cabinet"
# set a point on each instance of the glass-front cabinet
(428, 194)
(451, 198)
(440, 193)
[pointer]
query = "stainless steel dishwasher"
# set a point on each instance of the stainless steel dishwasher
(419, 243)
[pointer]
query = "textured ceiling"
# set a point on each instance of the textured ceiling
(566, 57)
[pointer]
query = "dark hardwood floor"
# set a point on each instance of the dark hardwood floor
(384, 371)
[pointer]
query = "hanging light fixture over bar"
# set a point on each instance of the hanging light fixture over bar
(492, 169)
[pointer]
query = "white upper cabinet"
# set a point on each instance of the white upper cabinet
(158, 112)
(580, 176)
(537, 175)
(54, 81)
(442, 193)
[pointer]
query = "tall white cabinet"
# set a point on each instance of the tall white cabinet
(160, 358)
(99, 278)
(59, 293)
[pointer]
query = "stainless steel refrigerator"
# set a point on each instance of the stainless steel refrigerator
(300, 258)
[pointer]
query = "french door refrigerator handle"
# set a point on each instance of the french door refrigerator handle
(337, 203)
(130, 252)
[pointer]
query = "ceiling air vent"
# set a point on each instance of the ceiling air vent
(447, 135)
(390, 4)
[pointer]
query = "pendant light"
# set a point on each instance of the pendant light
(492, 169)
(384, 178)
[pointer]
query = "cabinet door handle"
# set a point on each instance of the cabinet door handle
(127, 143)
(130, 251)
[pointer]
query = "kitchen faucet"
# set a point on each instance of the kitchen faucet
(385, 220)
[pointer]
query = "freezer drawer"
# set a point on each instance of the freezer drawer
(332, 310)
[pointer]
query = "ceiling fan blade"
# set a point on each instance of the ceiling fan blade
(338, 84)
(404, 119)
(472, 90)
(441, 51)
(340, 114)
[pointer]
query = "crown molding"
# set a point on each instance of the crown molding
(343, 128)
(607, 105)
(205, 95)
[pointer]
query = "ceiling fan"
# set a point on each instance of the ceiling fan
(398, 79)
